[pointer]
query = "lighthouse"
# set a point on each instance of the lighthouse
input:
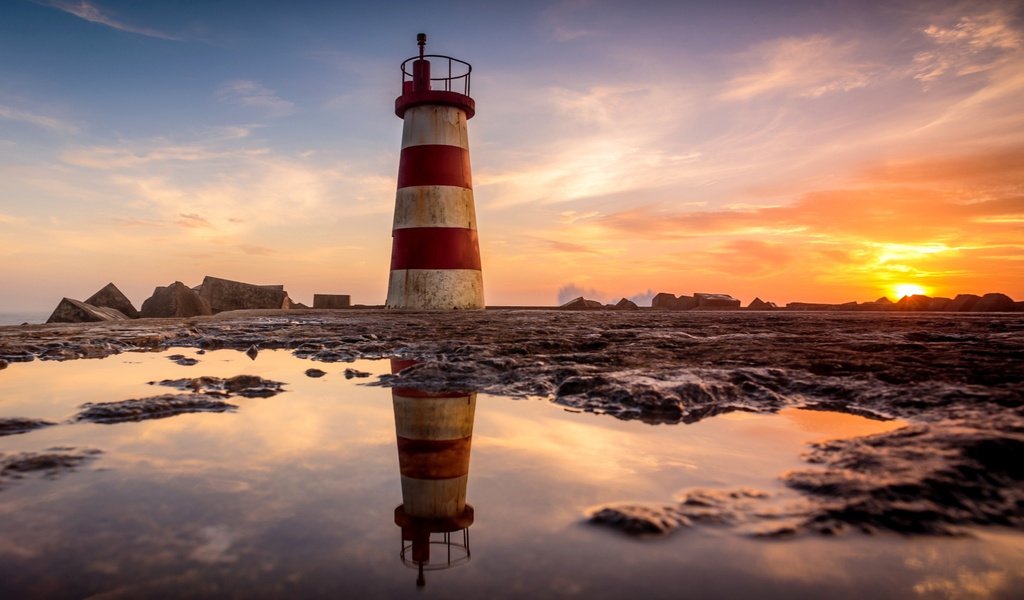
(435, 252)
(434, 431)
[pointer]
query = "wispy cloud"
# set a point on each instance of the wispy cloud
(807, 67)
(974, 43)
(253, 94)
(44, 121)
(94, 14)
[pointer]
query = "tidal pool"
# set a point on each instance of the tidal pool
(295, 495)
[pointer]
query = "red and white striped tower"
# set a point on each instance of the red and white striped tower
(435, 253)
(434, 432)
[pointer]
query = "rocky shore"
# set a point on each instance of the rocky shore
(957, 378)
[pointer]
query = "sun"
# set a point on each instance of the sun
(908, 289)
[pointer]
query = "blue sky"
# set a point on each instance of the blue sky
(797, 151)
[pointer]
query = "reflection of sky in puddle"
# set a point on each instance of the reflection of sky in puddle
(295, 495)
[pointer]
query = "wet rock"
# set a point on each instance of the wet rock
(963, 302)
(581, 303)
(332, 301)
(994, 303)
(111, 297)
(12, 426)
(252, 386)
(74, 311)
(625, 304)
(252, 352)
(759, 304)
(315, 373)
(722, 508)
(716, 301)
(3, 364)
(224, 294)
(154, 407)
(351, 373)
(51, 463)
(640, 519)
(183, 360)
(664, 300)
(175, 300)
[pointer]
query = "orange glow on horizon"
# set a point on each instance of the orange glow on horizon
(909, 289)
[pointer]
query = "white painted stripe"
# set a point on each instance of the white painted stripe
(434, 206)
(435, 124)
(435, 289)
(434, 498)
(434, 418)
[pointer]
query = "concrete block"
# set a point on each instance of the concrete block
(716, 301)
(333, 301)
(175, 300)
(111, 297)
(664, 300)
(75, 311)
(224, 294)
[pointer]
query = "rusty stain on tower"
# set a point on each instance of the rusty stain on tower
(435, 253)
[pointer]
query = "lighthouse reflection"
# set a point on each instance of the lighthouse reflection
(434, 433)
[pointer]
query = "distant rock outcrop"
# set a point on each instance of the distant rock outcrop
(716, 301)
(175, 300)
(581, 303)
(759, 304)
(75, 311)
(111, 297)
(224, 294)
(664, 300)
(915, 302)
(963, 302)
(626, 304)
(332, 301)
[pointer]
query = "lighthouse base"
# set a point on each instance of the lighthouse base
(436, 289)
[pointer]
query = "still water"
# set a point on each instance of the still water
(331, 489)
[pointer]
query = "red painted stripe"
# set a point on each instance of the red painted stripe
(435, 248)
(434, 164)
(434, 459)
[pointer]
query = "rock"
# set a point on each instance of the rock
(759, 304)
(252, 352)
(350, 373)
(916, 302)
(51, 463)
(716, 301)
(808, 306)
(175, 300)
(315, 373)
(332, 301)
(156, 407)
(938, 304)
(994, 303)
(625, 304)
(845, 306)
(1018, 306)
(224, 294)
(581, 303)
(963, 302)
(111, 297)
(74, 311)
(11, 426)
(182, 360)
(298, 305)
(664, 301)
(250, 386)
(686, 303)
(883, 300)
(640, 519)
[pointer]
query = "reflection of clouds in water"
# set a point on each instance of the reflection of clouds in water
(217, 540)
(966, 584)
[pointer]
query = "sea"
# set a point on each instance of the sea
(17, 318)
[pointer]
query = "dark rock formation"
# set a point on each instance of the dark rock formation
(963, 302)
(74, 311)
(111, 297)
(224, 294)
(808, 306)
(625, 304)
(175, 300)
(155, 407)
(315, 373)
(759, 304)
(250, 386)
(939, 304)
(581, 303)
(350, 373)
(716, 302)
(664, 300)
(994, 303)
(51, 463)
(11, 426)
(915, 302)
(686, 303)
(332, 301)
(183, 360)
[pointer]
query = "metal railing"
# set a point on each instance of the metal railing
(456, 77)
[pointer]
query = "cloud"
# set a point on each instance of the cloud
(807, 67)
(44, 121)
(973, 44)
(571, 291)
(192, 220)
(252, 94)
(94, 14)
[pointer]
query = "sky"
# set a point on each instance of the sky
(794, 151)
